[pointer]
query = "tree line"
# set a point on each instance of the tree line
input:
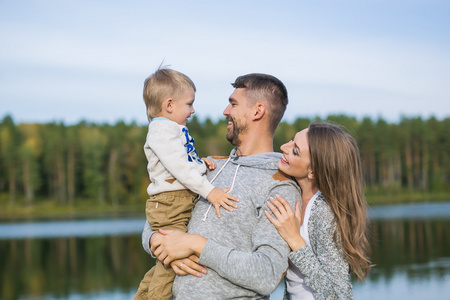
(106, 163)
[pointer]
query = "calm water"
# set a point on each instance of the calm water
(103, 259)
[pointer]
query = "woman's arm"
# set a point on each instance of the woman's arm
(286, 221)
(326, 270)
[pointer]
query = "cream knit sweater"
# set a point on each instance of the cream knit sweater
(173, 162)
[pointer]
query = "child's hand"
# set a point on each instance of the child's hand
(209, 163)
(219, 197)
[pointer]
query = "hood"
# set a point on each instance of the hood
(265, 161)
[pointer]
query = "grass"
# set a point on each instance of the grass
(375, 197)
(51, 209)
(85, 208)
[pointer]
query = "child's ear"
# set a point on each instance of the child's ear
(168, 105)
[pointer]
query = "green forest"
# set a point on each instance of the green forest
(54, 169)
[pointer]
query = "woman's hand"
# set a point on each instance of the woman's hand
(286, 221)
(188, 266)
(174, 244)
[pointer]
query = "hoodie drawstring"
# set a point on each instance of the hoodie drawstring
(212, 180)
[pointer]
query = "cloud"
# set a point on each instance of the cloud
(340, 58)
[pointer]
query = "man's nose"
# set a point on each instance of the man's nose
(226, 111)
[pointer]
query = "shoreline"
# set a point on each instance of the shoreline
(90, 209)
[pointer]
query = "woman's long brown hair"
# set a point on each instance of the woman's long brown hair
(336, 165)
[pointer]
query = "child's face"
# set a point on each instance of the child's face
(183, 106)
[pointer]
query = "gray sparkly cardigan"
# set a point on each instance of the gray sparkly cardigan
(325, 269)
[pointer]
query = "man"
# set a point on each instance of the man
(244, 254)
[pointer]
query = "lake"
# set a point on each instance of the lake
(104, 259)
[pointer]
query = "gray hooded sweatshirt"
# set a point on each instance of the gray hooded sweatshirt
(245, 256)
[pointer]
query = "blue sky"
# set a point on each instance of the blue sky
(87, 60)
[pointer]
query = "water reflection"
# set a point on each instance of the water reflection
(412, 257)
(401, 244)
(62, 267)
(81, 228)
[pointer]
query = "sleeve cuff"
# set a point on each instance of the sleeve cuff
(302, 258)
(213, 255)
(206, 189)
(146, 235)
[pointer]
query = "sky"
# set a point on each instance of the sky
(67, 61)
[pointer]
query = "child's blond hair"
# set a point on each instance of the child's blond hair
(164, 83)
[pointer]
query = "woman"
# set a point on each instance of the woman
(327, 235)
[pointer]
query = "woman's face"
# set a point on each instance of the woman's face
(296, 159)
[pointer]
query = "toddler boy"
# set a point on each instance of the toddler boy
(177, 174)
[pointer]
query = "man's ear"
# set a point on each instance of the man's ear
(259, 112)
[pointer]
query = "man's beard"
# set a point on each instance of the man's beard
(238, 128)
